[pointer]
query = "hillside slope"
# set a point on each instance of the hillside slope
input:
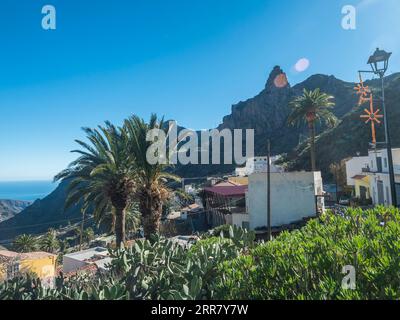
(352, 135)
(41, 215)
(10, 208)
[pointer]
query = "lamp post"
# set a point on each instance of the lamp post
(379, 62)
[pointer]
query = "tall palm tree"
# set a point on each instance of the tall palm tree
(49, 242)
(151, 191)
(102, 177)
(311, 107)
(25, 243)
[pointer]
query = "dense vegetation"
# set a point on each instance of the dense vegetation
(303, 264)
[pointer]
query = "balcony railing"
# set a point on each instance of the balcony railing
(396, 168)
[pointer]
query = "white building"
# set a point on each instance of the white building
(293, 197)
(353, 168)
(379, 175)
(373, 171)
(77, 260)
(258, 165)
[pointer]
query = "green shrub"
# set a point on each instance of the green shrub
(307, 263)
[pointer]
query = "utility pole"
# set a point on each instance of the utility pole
(388, 146)
(82, 225)
(269, 190)
(379, 63)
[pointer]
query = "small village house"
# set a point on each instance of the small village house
(75, 261)
(369, 176)
(41, 264)
(225, 203)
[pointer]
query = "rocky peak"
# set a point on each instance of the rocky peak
(277, 80)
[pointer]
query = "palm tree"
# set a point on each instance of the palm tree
(25, 243)
(312, 107)
(151, 191)
(49, 242)
(102, 177)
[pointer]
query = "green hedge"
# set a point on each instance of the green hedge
(308, 263)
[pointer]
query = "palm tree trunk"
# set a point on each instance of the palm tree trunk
(312, 145)
(82, 225)
(119, 226)
(150, 207)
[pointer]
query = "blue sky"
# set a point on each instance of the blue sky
(186, 60)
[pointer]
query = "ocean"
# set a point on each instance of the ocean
(25, 190)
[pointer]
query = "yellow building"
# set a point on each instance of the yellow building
(244, 181)
(362, 186)
(42, 264)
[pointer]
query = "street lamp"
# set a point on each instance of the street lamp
(379, 62)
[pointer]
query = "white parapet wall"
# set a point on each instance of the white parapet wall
(293, 197)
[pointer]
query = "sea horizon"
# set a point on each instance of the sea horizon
(26, 190)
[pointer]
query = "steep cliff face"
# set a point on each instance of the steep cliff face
(267, 112)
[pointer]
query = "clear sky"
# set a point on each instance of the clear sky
(188, 60)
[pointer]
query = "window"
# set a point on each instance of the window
(372, 164)
(385, 162)
(245, 225)
(12, 270)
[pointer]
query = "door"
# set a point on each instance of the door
(381, 194)
(363, 193)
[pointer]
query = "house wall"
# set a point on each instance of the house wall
(387, 198)
(239, 180)
(354, 166)
(362, 183)
(239, 218)
(44, 268)
(292, 197)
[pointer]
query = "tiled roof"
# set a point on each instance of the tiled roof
(6, 254)
(227, 191)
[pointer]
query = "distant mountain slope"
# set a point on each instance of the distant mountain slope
(41, 215)
(10, 208)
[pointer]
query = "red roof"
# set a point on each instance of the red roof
(228, 191)
(359, 177)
